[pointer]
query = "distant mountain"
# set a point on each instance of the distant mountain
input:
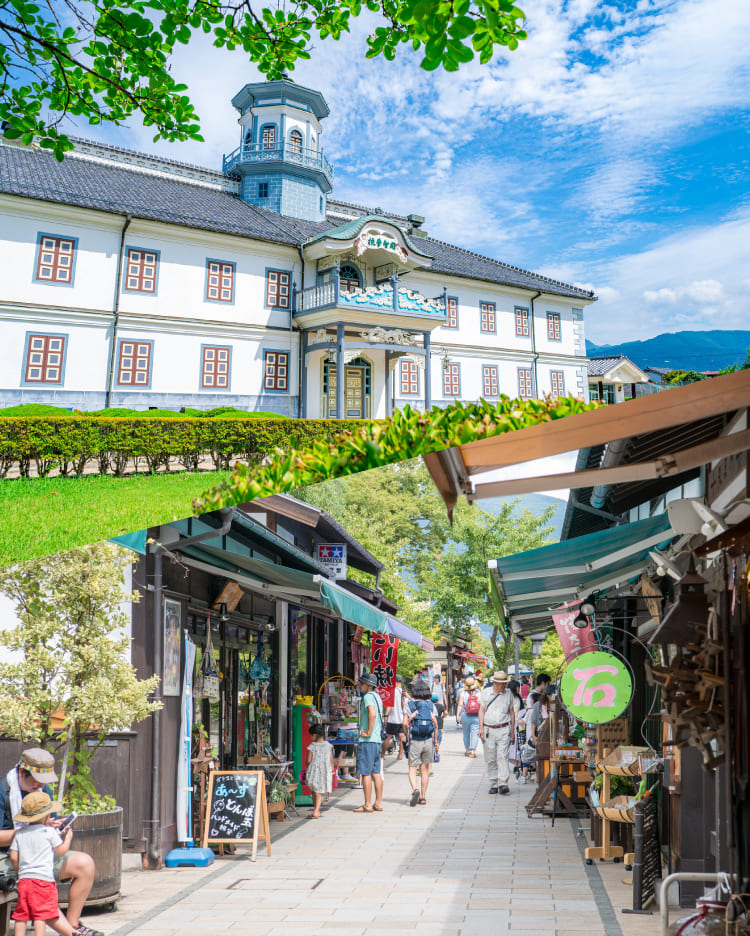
(685, 350)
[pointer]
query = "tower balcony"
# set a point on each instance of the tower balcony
(280, 154)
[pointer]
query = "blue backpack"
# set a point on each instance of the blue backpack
(421, 726)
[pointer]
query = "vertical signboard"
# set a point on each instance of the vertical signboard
(573, 640)
(383, 659)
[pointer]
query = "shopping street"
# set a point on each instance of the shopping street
(466, 863)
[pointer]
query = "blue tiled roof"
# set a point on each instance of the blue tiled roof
(113, 186)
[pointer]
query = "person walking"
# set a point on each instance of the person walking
(394, 720)
(421, 719)
(514, 757)
(370, 741)
(440, 702)
(32, 854)
(497, 725)
(319, 767)
(467, 715)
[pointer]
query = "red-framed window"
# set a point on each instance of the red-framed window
(276, 370)
(490, 381)
(451, 312)
(44, 359)
(134, 364)
(525, 383)
(55, 259)
(487, 317)
(268, 137)
(140, 270)
(278, 289)
(219, 281)
(451, 379)
(553, 326)
(409, 378)
(215, 368)
(558, 383)
(522, 322)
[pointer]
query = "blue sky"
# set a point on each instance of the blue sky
(609, 151)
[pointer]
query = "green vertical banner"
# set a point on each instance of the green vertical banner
(596, 687)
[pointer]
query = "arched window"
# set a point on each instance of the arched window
(349, 278)
(269, 137)
(295, 141)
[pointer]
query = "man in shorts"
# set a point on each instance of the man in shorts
(421, 718)
(369, 744)
(34, 771)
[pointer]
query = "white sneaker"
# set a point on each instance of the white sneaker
(524, 779)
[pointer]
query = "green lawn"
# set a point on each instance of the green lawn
(47, 515)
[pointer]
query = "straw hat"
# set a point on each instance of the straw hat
(470, 683)
(35, 807)
(500, 676)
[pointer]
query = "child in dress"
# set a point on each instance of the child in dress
(319, 767)
(32, 854)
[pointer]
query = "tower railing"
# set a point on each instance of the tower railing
(282, 151)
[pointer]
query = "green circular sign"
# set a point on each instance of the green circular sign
(596, 687)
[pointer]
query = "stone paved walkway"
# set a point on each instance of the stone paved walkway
(465, 864)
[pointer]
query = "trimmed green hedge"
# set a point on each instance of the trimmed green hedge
(70, 443)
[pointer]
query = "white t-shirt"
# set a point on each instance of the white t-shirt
(396, 714)
(36, 858)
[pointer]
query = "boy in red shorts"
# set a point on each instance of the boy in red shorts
(32, 854)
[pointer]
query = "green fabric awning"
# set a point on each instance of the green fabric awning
(351, 608)
(528, 584)
(135, 541)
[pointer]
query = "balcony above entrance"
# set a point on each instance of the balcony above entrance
(386, 304)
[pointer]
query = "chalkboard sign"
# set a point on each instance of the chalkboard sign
(236, 809)
(647, 862)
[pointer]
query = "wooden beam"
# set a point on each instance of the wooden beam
(658, 411)
(663, 467)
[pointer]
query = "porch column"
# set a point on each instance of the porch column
(388, 385)
(340, 372)
(303, 376)
(427, 374)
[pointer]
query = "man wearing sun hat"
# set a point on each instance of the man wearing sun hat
(496, 728)
(34, 771)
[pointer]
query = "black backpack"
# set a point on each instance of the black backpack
(422, 726)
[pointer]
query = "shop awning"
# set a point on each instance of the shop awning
(410, 634)
(454, 470)
(303, 588)
(526, 585)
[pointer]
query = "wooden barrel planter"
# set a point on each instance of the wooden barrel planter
(99, 835)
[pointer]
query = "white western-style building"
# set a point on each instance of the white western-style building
(134, 281)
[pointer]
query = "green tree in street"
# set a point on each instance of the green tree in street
(104, 60)
(456, 580)
(435, 572)
(72, 682)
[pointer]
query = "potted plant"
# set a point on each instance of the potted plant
(67, 681)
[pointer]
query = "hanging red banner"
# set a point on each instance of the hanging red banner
(573, 640)
(384, 656)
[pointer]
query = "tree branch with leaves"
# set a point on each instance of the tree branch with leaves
(106, 60)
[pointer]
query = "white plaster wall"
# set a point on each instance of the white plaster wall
(182, 276)
(22, 220)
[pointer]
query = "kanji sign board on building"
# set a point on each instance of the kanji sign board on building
(383, 659)
(596, 687)
(333, 557)
(573, 640)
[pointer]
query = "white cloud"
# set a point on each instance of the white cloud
(648, 290)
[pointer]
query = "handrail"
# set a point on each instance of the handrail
(720, 877)
(285, 151)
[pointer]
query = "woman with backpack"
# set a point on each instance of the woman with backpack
(421, 719)
(467, 715)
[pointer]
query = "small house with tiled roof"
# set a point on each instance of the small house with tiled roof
(136, 281)
(615, 378)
